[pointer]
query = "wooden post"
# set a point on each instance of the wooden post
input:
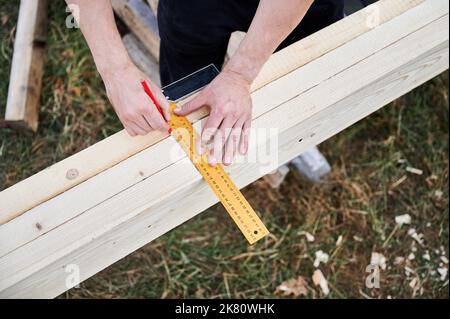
(27, 65)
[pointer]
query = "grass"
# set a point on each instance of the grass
(368, 187)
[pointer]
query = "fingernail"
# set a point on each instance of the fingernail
(212, 161)
(227, 161)
(177, 109)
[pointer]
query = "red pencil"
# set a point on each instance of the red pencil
(152, 97)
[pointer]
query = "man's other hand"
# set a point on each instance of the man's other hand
(228, 127)
(133, 107)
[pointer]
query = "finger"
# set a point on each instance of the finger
(130, 130)
(202, 148)
(143, 125)
(216, 153)
(147, 115)
(194, 104)
(155, 119)
(147, 120)
(158, 120)
(225, 129)
(137, 128)
(211, 126)
(164, 104)
(245, 137)
(232, 143)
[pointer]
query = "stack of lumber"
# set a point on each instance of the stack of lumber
(142, 42)
(101, 204)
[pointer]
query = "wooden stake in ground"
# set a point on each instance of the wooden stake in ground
(27, 65)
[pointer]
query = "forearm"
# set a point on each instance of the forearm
(273, 22)
(120, 76)
(96, 20)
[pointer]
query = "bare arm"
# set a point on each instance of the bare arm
(120, 76)
(228, 96)
(273, 22)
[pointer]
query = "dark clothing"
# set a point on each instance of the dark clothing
(195, 33)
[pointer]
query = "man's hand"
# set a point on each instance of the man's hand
(133, 107)
(228, 127)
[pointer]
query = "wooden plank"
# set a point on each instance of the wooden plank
(70, 172)
(49, 215)
(138, 214)
(233, 44)
(140, 56)
(141, 20)
(76, 169)
(154, 5)
(25, 82)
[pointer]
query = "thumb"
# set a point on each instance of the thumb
(191, 106)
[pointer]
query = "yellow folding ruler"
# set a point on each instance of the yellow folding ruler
(220, 182)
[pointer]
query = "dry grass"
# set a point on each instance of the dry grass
(368, 187)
